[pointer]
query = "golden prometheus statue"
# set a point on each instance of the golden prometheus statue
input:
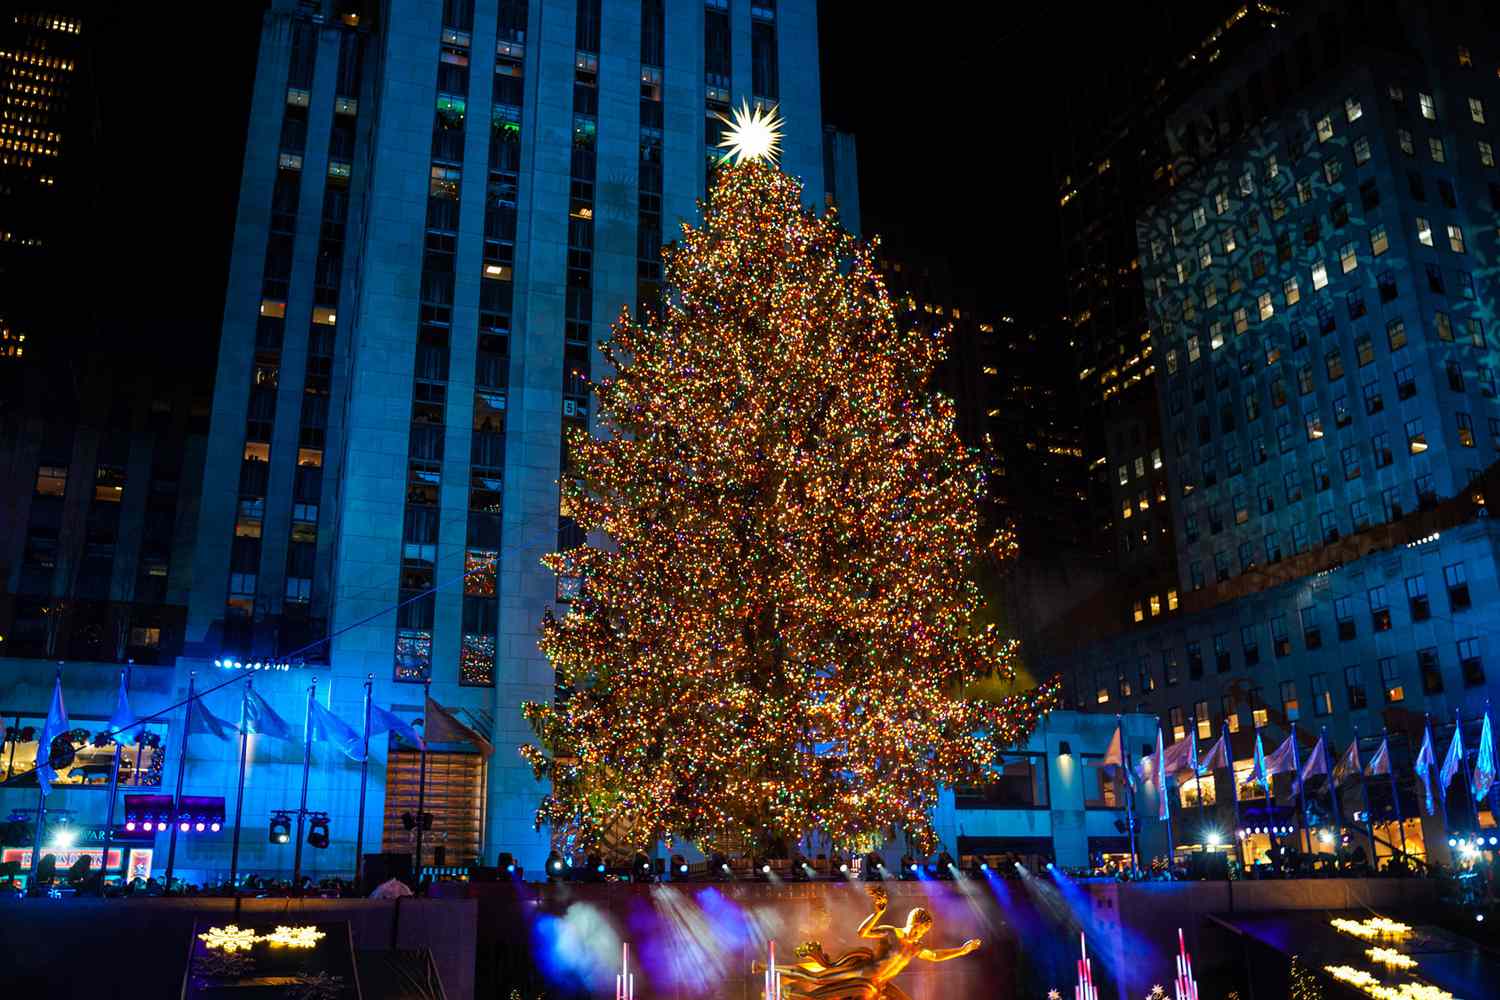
(865, 973)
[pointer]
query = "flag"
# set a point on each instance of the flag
(1114, 757)
(1317, 761)
(1453, 760)
(1484, 763)
(201, 720)
(1164, 808)
(1348, 765)
(1381, 762)
(1259, 772)
(327, 726)
(123, 718)
(442, 726)
(55, 726)
(1217, 756)
(382, 721)
(1284, 758)
(261, 718)
(1426, 761)
(1177, 757)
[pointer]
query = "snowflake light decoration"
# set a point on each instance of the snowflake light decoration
(229, 938)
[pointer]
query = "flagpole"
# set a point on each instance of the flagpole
(1129, 788)
(1333, 788)
(1364, 793)
(1164, 791)
(239, 798)
(422, 774)
(364, 776)
(181, 770)
(114, 787)
(1390, 770)
(1304, 840)
(1442, 788)
(1234, 791)
(1198, 786)
(312, 693)
(1463, 758)
(44, 759)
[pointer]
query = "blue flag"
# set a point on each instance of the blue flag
(55, 726)
(1259, 773)
(201, 720)
(1452, 761)
(123, 718)
(382, 721)
(1381, 762)
(330, 728)
(1484, 764)
(261, 718)
(1426, 761)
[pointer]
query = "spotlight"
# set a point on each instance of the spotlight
(718, 864)
(843, 868)
(214, 827)
(836, 863)
(1494, 840)
(946, 866)
(183, 826)
(640, 868)
(199, 827)
(679, 864)
(408, 821)
(765, 869)
(872, 867)
(130, 826)
(1479, 918)
(908, 867)
(554, 866)
(1214, 838)
(281, 828)
(317, 830)
(1051, 867)
(984, 866)
(1325, 836)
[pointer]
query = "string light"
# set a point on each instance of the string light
(232, 938)
(779, 635)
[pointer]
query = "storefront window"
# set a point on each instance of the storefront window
(89, 755)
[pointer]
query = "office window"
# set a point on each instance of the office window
(1429, 670)
(1379, 241)
(51, 480)
(1416, 598)
(1281, 642)
(1325, 128)
(1273, 547)
(1416, 440)
(1343, 616)
(1250, 645)
(1289, 700)
(1404, 140)
(1471, 662)
(1231, 712)
(1350, 457)
(1230, 243)
(1455, 238)
(1486, 154)
(1319, 276)
(1354, 686)
(1465, 284)
(1292, 482)
(1200, 217)
(1304, 190)
(1170, 669)
(1204, 721)
(1380, 609)
(1395, 333)
(1147, 678)
(1290, 291)
(1442, 326)
(1424, 232)
(1390, 680)
(1436, 151)
(1465, 429)
(1267, 310)
(1361, 151)
(1101, 686)
(1312, 634)
(1476, 110)
(1380, 444)
(1333, 169)
(1175, 722)
(1241, 320)
(1456, 579)
(1322, 698)
(1428, 106)
(1352, 109)
(1347, 260)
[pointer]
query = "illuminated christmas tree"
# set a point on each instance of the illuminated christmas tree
(774, 624)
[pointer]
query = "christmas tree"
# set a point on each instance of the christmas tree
(777, 627)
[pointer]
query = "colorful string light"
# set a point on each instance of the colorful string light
(779, 635)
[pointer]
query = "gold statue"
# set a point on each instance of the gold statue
(865, 973)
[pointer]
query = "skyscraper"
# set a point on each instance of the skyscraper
(47, 116)
(444, 204)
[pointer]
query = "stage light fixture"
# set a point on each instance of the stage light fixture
(1325, 836)
(408, 821)
(679, 864)
(554, 866)
(1479, 918)
(183, 826)
(1215, 838)
(1064, 749)
(1452, 841)
(317, 830)
(280, 831)
(199, 827)
(640, 868)
(130, 826)
(1494, 840)
(214, 827)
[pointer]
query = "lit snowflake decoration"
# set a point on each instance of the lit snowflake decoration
(228, 939)
(753, 134)
(1052, 994)
(293, 937)
(1157, 993)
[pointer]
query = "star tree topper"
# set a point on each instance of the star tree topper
(753, 134)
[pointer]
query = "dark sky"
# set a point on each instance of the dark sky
(952, 112)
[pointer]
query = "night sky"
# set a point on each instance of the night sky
(949, 112)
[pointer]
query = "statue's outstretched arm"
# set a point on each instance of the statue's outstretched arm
(944, 954)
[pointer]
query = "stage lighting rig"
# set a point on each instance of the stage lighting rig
(641, 869)
(873, 869)
(679, 867)
(280, 831)
(317, 830)
(554, 867)
(718, 867)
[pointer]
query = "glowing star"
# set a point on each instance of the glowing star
(753, 134)
(229, 939)
(1054, 995)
